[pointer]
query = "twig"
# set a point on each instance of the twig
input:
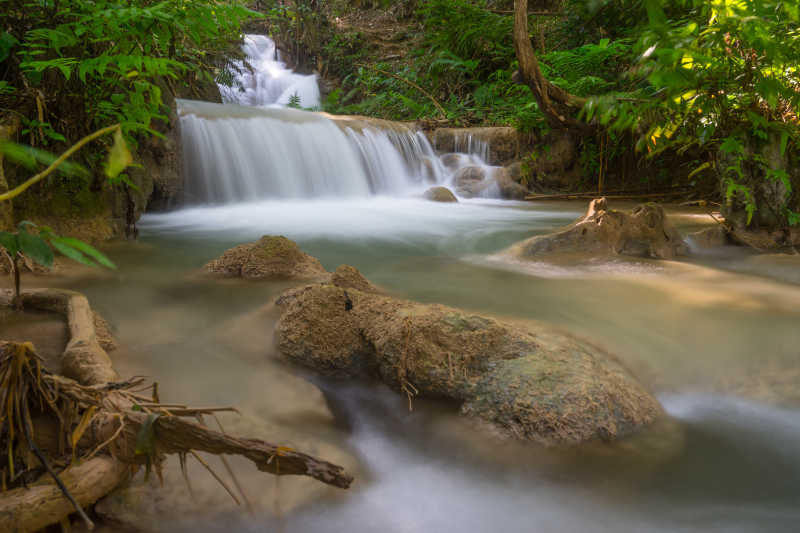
(110, 439)
(16, 191)
(219, 479)
(230, 471)
(35, 449)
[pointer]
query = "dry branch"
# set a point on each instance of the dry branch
(108, 442)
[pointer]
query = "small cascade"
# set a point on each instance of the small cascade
(467, 143)
(267, 81)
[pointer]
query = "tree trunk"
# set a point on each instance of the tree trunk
(557, 105)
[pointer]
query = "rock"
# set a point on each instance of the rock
(763, 239)
(428, 169)
(713, 237)
(440, 194)
(471, 181)
(645, 232)
(269, 258)
(528, 382)
(453, 161)
(504, 144)
(347, 277)
(508, 188)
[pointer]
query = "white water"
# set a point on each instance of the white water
(268, 81)
(237, 154)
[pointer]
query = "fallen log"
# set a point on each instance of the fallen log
(94, 417)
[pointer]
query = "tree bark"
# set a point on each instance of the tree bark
(557, 105)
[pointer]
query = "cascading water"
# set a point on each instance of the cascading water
(234, 154)
(253, 147)
(267, 80)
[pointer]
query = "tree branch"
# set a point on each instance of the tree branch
(557, 104)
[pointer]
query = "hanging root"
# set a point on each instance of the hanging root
(111, 430)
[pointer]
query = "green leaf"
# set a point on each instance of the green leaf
(784, 141)
(119, 157)
(9, 242)
(71, 252)
(36, 248)
(146, 441)
(87, 249)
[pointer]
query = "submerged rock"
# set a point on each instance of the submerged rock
(528, 382)
(644, 232)
(440, 194)
(270, 257)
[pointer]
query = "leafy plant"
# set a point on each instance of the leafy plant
(34, 242)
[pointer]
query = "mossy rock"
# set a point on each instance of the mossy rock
(532, 383)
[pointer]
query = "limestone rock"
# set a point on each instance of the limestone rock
(440, 194)
(347, 277)
(529, 382)
(270, 257)
(644, 232)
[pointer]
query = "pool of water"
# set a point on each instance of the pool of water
(716, 337)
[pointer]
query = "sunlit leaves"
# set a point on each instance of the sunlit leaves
(119, 157)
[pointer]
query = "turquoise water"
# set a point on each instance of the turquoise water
(716, 338)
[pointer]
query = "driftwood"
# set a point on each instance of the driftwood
(102, 421)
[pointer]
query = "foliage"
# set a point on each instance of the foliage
(722, 80)
(32, 241)
(108, 61)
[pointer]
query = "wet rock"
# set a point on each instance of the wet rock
(470, 181)
(713, 237)
(505, 144)
(440, 194)
(428, 168)
(270, 257)
(453, 161)
(763, 240)
(644, 232)
(529, 382)
(508, 188)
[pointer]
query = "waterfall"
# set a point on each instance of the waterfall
(267, 81)
(253, 147)
(233, 153)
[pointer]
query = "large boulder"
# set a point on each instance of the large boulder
(529, 382)
(644, 232)
(270, 257)
(440, 194)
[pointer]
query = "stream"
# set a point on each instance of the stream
(718, 346)
(715, 336)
